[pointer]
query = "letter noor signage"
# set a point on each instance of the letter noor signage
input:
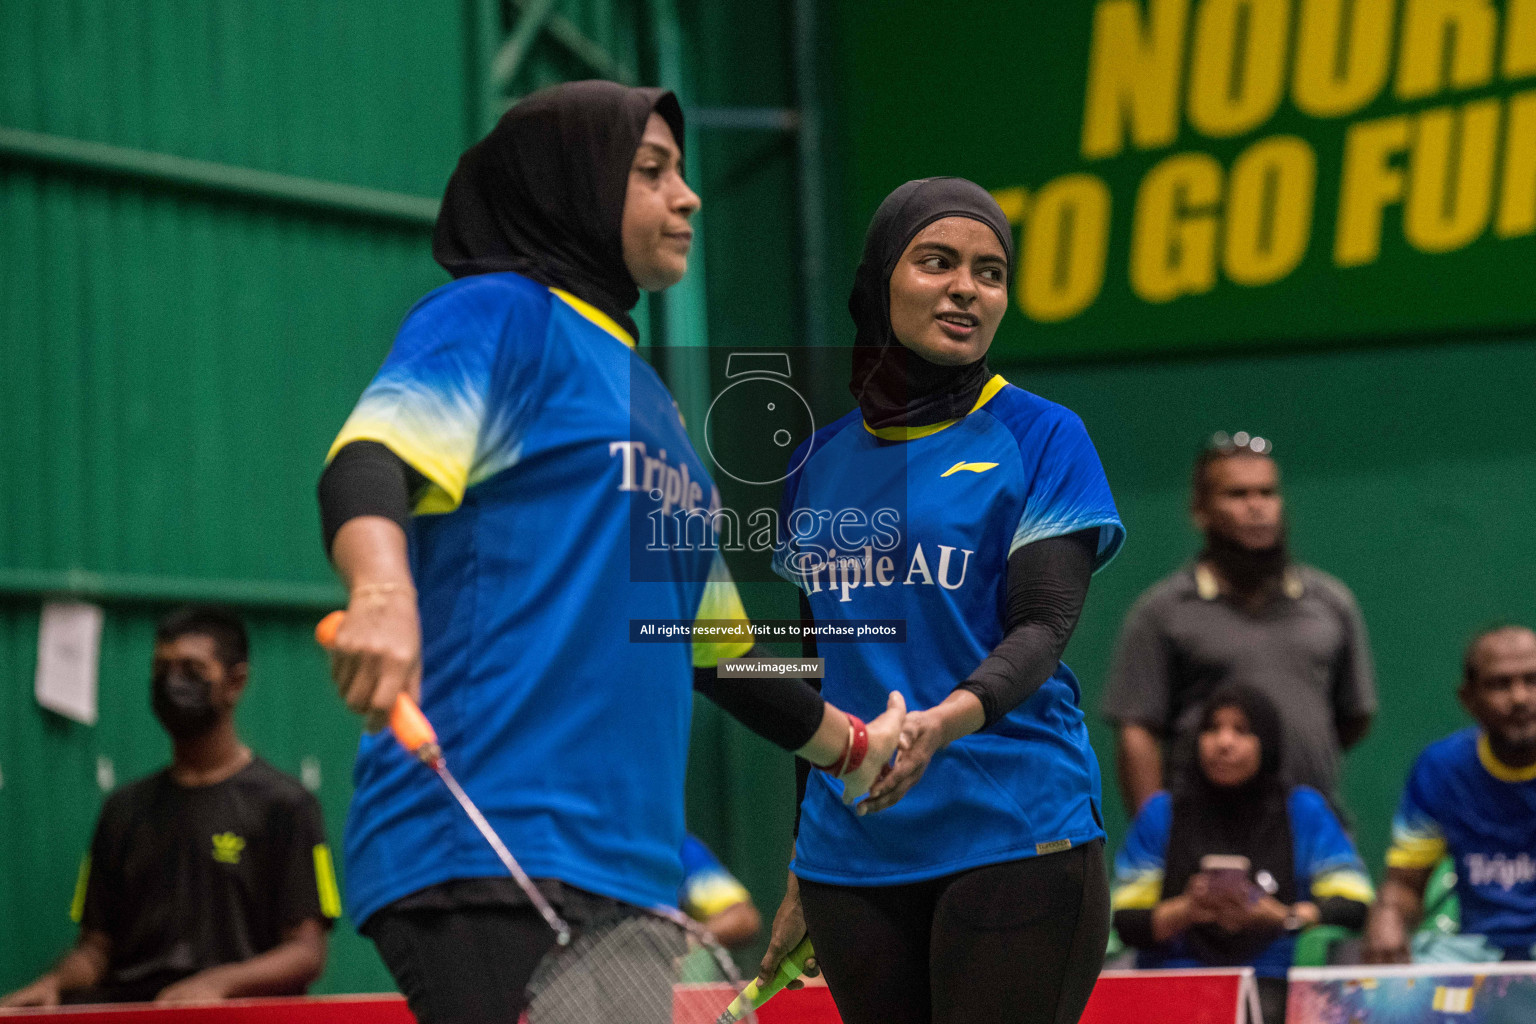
(1198, 174)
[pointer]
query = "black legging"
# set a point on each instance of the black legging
(1014, 943)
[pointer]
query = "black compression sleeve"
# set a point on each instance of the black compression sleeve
(807, 650)
(783, 710)
(1345, 913)
(1047, 585)
(366, 479)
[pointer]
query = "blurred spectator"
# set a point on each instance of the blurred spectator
(1288, 862)
(1472, 795)
(712, 896)
(1244, 611)
(211, 877)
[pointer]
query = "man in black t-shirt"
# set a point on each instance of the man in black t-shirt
(210, 878)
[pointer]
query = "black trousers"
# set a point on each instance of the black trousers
(462, 966)
(1014, 943)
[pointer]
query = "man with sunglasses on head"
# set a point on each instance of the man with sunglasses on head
(1241, 611)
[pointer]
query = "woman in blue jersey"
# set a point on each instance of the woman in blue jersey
(1295, 866)
(982, 896)
(479, 504)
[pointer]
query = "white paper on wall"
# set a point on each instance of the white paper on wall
(68, 653)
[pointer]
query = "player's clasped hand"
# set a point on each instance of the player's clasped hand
(376, 654)
(922, 735)
(884, 734)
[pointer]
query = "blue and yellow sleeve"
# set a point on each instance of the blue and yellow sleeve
(721, 602)
(1070, 493)
(1418, 842)
(1326, 857)
(708, 888)
(432, 401)
(1138, 881)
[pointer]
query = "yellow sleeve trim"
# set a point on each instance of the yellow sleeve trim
(716, 895)
(1349, 885)
(1142, 894)
(1415, 854)
(721, 600)
(446, 476)
(325, 881)
(82, 881)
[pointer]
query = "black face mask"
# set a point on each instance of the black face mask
(183, 701)
(1247, 570)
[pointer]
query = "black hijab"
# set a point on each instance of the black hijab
(1251, 820)
(894, 386)
(543, 193)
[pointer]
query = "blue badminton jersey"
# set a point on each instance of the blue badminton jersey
(917, 524)
(1460, 799)
(545, 440)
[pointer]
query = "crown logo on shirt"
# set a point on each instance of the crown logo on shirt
(227, 847)
(974, 467)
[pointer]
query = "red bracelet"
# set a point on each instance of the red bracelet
(832, 766)
(857, 747)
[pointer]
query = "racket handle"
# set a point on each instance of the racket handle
(406, 721)
(790, 968)
(413, 731)
(327, 628)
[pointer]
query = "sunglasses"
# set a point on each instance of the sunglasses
(1224, 443)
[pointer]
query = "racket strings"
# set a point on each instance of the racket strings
(640, 969)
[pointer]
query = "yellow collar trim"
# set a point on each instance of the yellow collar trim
(1498, 769)
(996, 384)
(595, 315)
(1209, 589)
(1205, 583)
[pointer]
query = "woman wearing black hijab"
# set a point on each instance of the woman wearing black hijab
(982, 896)
(479, 504)
(1295, 866)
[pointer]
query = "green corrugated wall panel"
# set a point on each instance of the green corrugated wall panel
(369, 94)
(187, 364)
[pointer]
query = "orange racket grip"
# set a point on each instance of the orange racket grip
(413, 730)
(327, 628)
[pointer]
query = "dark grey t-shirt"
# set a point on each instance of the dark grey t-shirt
(1307, 650)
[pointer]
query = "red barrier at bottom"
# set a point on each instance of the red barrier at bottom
(366, 1009)
(1174, 997)
(1121, 997)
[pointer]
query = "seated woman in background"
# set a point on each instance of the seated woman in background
(1275, 859)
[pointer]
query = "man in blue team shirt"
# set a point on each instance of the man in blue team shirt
(1472, 795)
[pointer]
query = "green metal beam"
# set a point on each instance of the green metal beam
(216, 179)
(131, 588)
(509, 59)
(564, 31)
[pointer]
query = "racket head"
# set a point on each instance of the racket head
(635, 966)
